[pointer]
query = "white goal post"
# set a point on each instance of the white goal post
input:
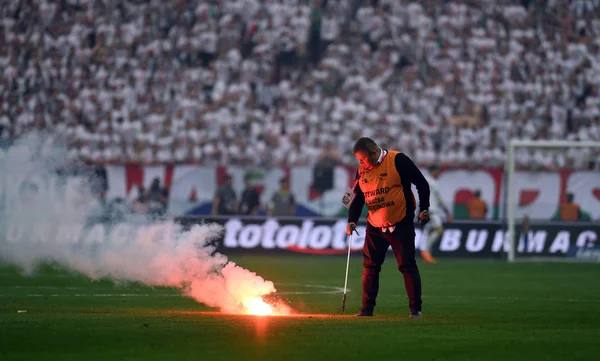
(511, 169)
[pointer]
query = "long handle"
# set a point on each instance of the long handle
(346, 279)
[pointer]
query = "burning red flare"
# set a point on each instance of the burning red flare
(256, 306)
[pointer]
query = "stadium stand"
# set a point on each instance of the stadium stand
(290, 82)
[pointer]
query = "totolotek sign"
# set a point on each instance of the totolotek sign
(460, 239)
(315, 236)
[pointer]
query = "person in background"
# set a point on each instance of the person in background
(434, 229)
(569, 210)
(99, 181)
(283, 202)
(157, 198)
(250, 199)
(476, 207)
(139, 204)
(526, 229)
(225, 199)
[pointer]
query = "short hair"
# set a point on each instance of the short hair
(364, 144)
(433, 168)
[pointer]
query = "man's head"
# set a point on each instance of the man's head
(247, 179)
(570, 197)
(228, 180)
(477, 193)
(434, 171)
(155, 184)
(284, 183)
(366, 152)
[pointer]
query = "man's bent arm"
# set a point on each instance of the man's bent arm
(408, 170)
(357, 205)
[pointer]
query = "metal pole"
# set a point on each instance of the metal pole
(346, 279)
(511, 201)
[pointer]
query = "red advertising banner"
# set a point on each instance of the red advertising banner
(191, 188)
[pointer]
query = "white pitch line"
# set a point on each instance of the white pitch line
(94, 295)
(326, 290)
(64, 288)
(117, 295)
(310, 293)
(49, 287)
(330, 290)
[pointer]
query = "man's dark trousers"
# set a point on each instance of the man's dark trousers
(377, 242)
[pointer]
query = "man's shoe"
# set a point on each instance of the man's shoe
(415, 314)
(364, 312)
(427, 257)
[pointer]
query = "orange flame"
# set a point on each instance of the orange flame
(258, 307)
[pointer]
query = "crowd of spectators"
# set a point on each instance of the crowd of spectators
(292, 82)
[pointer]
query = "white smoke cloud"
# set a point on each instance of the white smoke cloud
(46, 218)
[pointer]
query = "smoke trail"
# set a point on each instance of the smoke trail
(45, 217)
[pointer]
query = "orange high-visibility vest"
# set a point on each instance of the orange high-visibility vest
(476, 208)
(569, 212)
(384, 194)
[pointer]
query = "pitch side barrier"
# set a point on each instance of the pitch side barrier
(461, 239)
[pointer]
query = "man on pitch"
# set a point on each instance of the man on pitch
(383, 183)
(435, 228)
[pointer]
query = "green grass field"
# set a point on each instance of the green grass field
(473, 310)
